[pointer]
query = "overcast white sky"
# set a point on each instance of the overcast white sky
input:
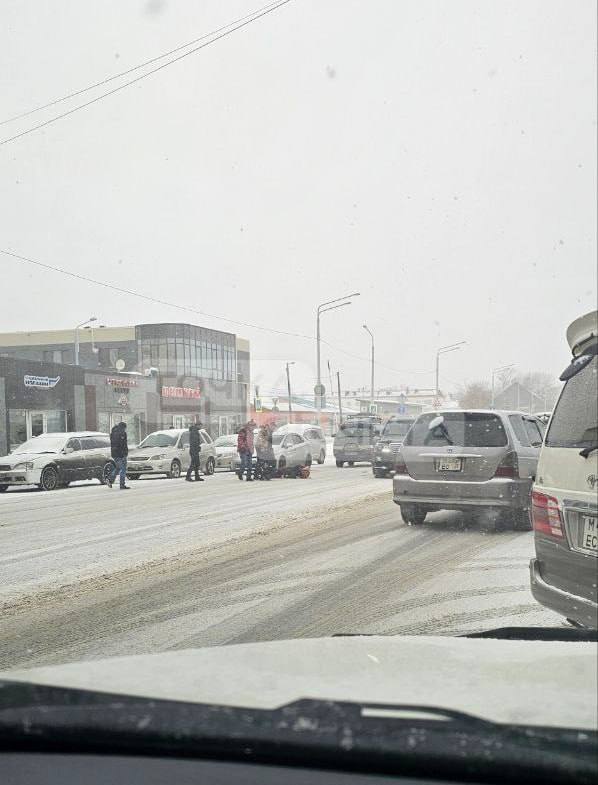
(438, 157)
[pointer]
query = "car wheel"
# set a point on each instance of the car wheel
(351, 463)
(49, 479)
(413, 514)
(133, 476)
(321, 457)
(521, 520)
(3, 488)
(340, 464)
(175, 471)
(378, 473)
(210, 466)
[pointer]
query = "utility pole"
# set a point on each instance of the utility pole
(443, 350)
(372, 395)
(340, 406)
(289, 391)
(330, 305)
(83, 324)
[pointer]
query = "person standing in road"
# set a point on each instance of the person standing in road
(245, 449)
(119, 449)
(194, 450)
(265, 453)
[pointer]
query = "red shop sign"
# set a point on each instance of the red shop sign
(180, 392)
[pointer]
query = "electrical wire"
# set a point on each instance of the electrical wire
(134, 68)
(143, 76)
(189, 309)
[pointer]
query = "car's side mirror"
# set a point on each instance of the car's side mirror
(68, 450)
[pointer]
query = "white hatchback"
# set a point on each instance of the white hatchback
(313, 435)
(167, 452)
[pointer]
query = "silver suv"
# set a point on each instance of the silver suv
(469, 461)
(167, 452)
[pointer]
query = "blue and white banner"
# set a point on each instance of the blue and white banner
(41, 382)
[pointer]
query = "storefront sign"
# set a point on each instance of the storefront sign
(180, 392)
(115, 382)
(40, 382)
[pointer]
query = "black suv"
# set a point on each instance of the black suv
(354, 441)
(386, 450)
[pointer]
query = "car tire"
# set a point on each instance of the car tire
(3, 488)
(175, 470)
(351, 463)
(340, 464)
(378, 473)
(49, 479)
(133, 476)
(210, 466)
(413, 514)
(321, 457)
(521, 520)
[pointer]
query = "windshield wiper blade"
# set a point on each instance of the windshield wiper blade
(587, 451)
(383, 738)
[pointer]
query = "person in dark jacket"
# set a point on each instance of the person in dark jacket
(119, 449)
(245, 450)
(194, 450)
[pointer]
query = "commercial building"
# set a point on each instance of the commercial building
(150, 376)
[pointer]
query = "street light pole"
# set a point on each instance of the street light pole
(87, 321)
(443, 350)
(367, 329)
(330, 305)
(495, 371)
(289, 391)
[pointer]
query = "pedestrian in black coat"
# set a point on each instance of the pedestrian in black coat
(194, 450)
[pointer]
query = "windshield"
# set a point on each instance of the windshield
(41, 444)
(159, 440)
(575, 420)
(465, 429)
(396, 429)
(260, 247)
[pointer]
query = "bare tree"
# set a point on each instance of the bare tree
(474, 395)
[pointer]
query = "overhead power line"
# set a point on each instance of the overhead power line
(213, 40)
(134, 68)
(190, 309)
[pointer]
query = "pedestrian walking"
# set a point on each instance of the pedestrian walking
(245, 450)
(119, 449)
(194, 450)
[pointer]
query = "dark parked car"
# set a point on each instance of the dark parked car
(53, 460)
(470, 461)
(564, 573)
(355, 439)
(386, 451)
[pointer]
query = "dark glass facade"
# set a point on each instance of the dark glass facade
(187, 350)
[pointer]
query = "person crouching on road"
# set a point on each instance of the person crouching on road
(194, 450)
(119, 449)
(245, 449)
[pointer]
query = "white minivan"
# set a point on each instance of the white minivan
(564, 574)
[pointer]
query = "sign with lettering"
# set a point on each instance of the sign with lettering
(114, 381)
(180, 392)
(40, 382)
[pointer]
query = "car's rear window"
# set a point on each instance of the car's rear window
(397, 429)
(357, 430)
(575, 419)
(464, 429)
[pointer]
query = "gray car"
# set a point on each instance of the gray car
(469, 460)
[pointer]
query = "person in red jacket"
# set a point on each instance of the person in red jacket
(245, 450)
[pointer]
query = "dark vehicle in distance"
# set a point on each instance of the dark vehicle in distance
(53, 460)
(471, 461)
(386, 450)
(564, 573)
(355, 439)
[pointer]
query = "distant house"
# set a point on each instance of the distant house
(519, 398)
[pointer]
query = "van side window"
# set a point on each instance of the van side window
(533, 432)
(520, 431)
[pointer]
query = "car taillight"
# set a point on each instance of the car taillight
(508, 467)
(401, 467)
(546, 515)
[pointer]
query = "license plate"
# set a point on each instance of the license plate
(448, 465)
(589, 536)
